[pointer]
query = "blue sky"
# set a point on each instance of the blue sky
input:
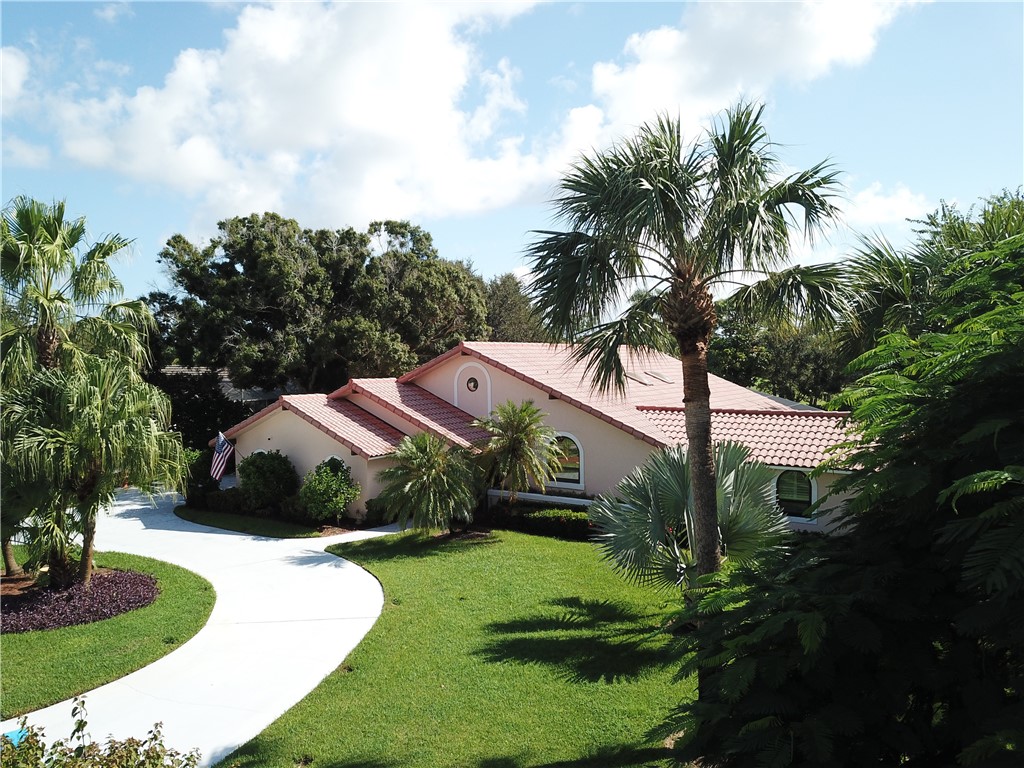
(155, 118)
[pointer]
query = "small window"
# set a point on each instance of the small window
(793, 491)
(639, 378)
(572, 464)
(472, 384)
(660, 377)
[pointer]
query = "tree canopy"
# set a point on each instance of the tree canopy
(900, 641)
(279, 305)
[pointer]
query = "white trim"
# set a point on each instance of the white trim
(569, 501)
(583, 477)
(487, 376)
(814, 492)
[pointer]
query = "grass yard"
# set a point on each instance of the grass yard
(502, 652)
(44, 667)
(256, 526)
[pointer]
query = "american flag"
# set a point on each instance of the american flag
(221, 453)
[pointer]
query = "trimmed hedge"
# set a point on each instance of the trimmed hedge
(557, 522)
(266, 478)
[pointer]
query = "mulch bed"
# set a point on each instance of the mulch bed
(27, 608)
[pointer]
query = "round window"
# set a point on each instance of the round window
(472, 384)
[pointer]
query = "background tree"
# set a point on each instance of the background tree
(430, 484)
(899, 642)
(521, 453)
(278, 305)
(676, 220)
(510, 314)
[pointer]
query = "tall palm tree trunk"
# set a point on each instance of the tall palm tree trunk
(88, 548)
(697, 414)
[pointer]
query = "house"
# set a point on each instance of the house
(604, 436)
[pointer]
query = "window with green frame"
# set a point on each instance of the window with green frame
(793, 492)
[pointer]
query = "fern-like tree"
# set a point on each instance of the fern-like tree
(522, 451)
(678, 220)
(430, 485)
(645, 528)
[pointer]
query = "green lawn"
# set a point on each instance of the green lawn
(257, 526)
(42, 668)
(502, 652)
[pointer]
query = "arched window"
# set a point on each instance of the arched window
(571, 474)
(793, 492)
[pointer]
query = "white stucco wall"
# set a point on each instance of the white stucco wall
(307, 446)
(608, 452)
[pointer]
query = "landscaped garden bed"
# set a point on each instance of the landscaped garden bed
(500, 649)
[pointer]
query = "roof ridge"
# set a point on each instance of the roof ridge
(748, 411)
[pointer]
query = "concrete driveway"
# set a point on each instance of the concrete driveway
(287, 614)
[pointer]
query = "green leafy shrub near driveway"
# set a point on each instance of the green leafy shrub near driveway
(328, 489)
(200, 483)
(266, 478)
(229, 500)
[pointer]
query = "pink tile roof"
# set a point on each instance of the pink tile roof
(361, 432)
(550, 368)
(779, 438)
(418, 406)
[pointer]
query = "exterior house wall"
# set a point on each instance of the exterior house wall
(608, 454)
(307, 446)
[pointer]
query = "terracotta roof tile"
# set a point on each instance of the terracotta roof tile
(415, 404)
(550, 367)
(361, 432)
(779, 438)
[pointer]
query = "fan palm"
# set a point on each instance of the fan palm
(646, 529)
(430, 484)
(680, 220)
(87, 432)
(522, 452)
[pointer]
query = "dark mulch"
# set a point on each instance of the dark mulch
(110, 594)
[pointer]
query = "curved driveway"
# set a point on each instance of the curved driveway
(287, 614)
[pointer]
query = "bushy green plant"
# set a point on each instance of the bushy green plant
(79, 751)
(293, 509)
(266, 479)
(229, 500)
(200, 483)
(328, 489)
(376, 512)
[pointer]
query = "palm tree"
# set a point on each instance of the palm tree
(63, 313)
(87, 432)
(679, 220)
(646, 529)
(60, 305)
(522, 452)
(430, 484)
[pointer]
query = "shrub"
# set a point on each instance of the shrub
(200, 483)
(376, 512)
(266, 479)
(79, 751)
(560, 523)
(294, 510)
(328, 490)
(230, 500)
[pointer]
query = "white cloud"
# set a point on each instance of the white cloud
(723, 50)
(19, 153)
(14, 71)
(111, 12)
(875, 207)
(345, 112)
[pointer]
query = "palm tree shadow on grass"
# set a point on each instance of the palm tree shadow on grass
(586, 640)
(631, 756)
(409, 547)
